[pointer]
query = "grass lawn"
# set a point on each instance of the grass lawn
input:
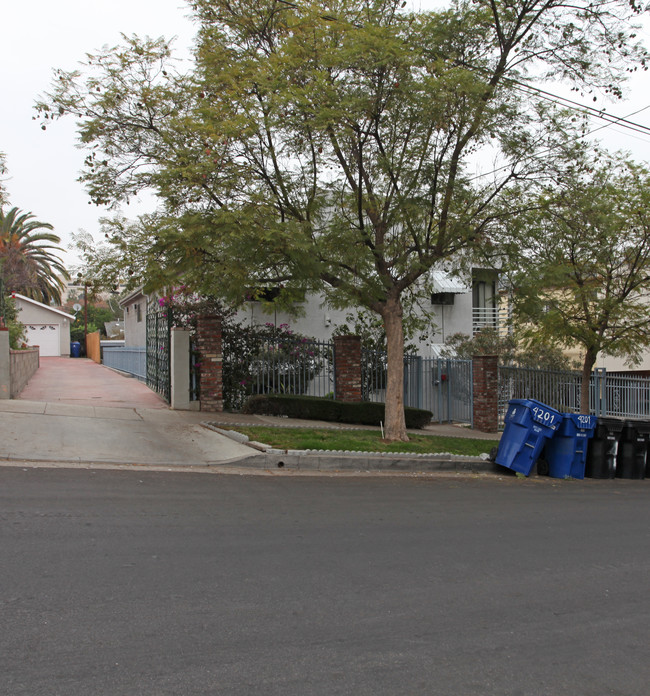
(361, 441)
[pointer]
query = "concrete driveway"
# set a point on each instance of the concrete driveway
(85, 383)
(74, 410)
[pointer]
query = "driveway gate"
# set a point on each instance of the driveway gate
(159, 325)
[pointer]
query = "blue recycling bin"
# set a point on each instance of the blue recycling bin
(566, 453)
(75, 349)
(528, 425)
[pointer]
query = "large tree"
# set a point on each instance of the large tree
(581, 261)
(329, 145)
(28, 262)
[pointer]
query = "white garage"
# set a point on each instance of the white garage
(45, 327)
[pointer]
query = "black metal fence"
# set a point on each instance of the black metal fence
(285, 366)
(159, 324)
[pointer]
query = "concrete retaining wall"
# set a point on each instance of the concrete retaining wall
(22, 366)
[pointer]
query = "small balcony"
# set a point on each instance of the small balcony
(484, 316)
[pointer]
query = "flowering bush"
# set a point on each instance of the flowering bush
(256, 359)
(266, 359)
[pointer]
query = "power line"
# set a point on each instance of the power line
(550, 149)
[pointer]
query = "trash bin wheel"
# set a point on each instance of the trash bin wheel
(493, 454)
(542, 467)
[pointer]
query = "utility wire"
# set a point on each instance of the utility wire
(541, 154)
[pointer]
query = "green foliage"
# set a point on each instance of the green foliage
(4, 200)
(315, 408)
(97, 317)
(509, 350)
(287, 360)
(487, 341)
(9, 315)
(583, 269)
(29, 264)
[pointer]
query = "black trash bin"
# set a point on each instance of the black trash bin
(632, 449)
(602, 449)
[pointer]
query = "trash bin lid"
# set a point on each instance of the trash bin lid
(544, 415)
(580, 421)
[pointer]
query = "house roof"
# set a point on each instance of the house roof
(29, 300)
(127, 299)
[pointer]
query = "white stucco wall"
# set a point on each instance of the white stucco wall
(135, 332)
(319, 321)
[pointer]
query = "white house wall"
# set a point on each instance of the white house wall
(319, 321)
(135, 332)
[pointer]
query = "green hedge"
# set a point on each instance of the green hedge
(315, 408)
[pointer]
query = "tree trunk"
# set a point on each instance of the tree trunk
(392, 314)
(587, 367)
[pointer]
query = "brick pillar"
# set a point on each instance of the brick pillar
(485, 377)
(347, 362)
(208, 334)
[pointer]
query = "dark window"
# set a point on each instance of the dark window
(442, 298)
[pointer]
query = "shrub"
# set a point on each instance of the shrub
(9, 314)
(316, 408)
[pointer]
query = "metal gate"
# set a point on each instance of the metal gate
(442, 386)
(159, 325)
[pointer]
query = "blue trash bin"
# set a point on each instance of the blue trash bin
(566, 453)
(75, 349)
(528, 425)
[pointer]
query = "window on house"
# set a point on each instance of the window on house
(485, 301)
(138, 312)
(484, 294)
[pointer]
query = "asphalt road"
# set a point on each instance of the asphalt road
(148, 583)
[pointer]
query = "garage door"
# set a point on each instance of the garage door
(46, 336)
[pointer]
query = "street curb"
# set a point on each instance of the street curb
(325, 460)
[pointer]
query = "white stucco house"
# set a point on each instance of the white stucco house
(134, 305)
(457, 305)
(45, 327)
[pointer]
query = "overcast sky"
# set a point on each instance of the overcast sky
(40, 35)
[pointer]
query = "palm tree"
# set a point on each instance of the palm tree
(27, 262)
